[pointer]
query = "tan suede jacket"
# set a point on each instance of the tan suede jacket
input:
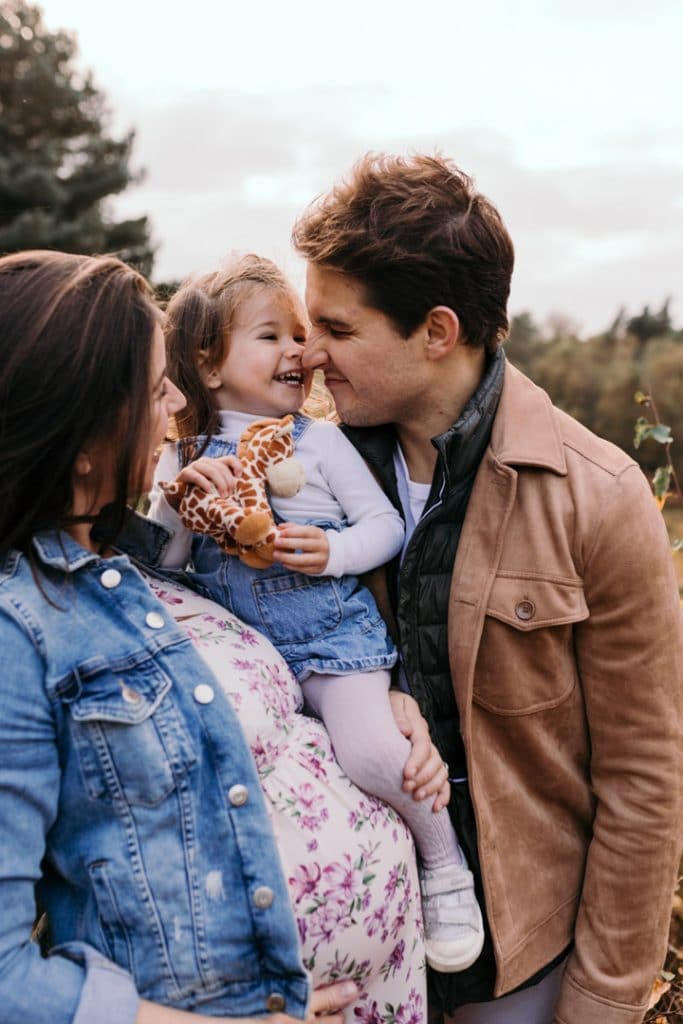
(567, 664)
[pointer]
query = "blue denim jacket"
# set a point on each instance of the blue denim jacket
(129, 796)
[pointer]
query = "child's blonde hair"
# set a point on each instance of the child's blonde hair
(199, 319)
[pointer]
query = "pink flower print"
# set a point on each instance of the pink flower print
(375, 921)
(242, 665)
(309, 799)
(397, 925)
(312, 845)
(410, 1012)
(304, 881)
(248, 638)
(343, 881)
(368, 1013)
(396, 956)
(325, 922)
(392, 883)
(280, 676)
(264, 754)
(312, 763)
(397, 877)
(302, 925)
(167, 597)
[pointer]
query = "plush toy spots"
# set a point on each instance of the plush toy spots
(242, 524)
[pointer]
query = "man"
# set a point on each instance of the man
(535, 603)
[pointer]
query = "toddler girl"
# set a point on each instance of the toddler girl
(234, 342)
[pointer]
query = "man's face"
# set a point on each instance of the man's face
(375, 375)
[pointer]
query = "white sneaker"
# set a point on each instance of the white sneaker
(454, 930)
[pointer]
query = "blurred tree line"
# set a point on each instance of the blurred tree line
(595, 379)
(59, 165)
(58, 162)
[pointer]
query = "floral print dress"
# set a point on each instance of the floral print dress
(348, 858)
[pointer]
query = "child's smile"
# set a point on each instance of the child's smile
(262, 372)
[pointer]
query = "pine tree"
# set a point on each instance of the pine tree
(57, 162)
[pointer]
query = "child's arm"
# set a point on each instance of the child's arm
(375, 532)
(216, 475)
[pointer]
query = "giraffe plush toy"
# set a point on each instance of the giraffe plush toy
(242, 524)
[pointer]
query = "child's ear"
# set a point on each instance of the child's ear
(212, 379)
(210, 374)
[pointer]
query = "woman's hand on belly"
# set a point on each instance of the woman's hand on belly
(327, 1004)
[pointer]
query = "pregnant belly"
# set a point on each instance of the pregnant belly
(350, 865)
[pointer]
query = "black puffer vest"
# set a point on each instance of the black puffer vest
(419, 591)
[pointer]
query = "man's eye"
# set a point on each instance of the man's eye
(338, 334)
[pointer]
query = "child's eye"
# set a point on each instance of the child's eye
(300, 339)
(269, 337)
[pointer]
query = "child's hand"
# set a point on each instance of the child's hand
(302, 548)
(215, 476)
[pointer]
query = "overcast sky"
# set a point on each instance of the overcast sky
(566, 112)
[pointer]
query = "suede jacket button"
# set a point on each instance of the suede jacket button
(525, 610)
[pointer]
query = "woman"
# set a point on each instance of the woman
(127, 792)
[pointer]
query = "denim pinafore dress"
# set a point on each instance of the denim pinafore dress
(318, 623)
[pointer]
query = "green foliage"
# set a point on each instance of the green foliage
(594, 379)
(657, 431)
(57, 162)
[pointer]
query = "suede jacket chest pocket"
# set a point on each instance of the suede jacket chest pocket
(130, 739)
(526, 659)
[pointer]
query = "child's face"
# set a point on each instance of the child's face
(262, 372)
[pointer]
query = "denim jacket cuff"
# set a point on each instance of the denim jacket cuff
(108, 995)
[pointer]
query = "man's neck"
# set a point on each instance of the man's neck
(449, 393)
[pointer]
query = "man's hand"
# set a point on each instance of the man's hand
(425, 774)
(302, 548)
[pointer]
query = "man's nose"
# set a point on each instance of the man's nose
(314, 355)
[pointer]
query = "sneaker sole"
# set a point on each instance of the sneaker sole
(454, 966)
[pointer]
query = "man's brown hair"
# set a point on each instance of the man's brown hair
(416, 233)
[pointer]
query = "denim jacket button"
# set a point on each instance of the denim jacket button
(130, 695)
(238, 795)
(110, 578)
(154, 620)
(203, 693)
(275, 1003)
(263, 897)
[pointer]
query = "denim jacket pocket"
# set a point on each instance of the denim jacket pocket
(296, 609)
(130, 741)
(115, 934)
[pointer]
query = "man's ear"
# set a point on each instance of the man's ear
(443, 332)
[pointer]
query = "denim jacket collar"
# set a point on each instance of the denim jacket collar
(59, 550)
